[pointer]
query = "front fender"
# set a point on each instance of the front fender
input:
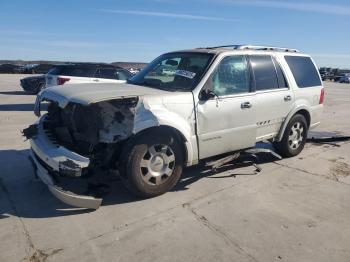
(147, 116)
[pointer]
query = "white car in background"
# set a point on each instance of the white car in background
(79, 73)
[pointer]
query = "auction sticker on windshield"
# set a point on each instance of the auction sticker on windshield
(185, 73)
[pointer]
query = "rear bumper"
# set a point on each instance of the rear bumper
(51, 160)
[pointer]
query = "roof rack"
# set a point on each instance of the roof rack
(256, 47)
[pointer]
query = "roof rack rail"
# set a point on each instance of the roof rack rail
(256, 47)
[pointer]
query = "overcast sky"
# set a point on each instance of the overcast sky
(140, 30)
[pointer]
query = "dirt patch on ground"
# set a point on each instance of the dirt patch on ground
(340, 170)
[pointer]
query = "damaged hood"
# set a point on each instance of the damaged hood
(95, 92)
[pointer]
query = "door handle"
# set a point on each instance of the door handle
(287, 98)
(95, 80)
(246, 105)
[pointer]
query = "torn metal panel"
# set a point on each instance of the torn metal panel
(117, 117)
(257, 150)
(222, 161)
(82, 128)
(30, 131)
(248, 153)
(69, 168)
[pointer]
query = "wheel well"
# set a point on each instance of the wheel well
(302, 112)
(167, 130)
(306, 114)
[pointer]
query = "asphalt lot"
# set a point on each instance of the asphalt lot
(296, 209)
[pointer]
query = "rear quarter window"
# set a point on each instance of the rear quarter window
(304, 71)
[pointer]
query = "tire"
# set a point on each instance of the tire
(294, 137)
(152, 165)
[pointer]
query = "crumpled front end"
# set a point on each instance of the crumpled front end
(51, 161)
(77, 139)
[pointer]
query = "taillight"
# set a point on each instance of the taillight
(322, 96)
(62, 80)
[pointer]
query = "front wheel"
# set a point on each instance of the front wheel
(294, 137)
(153, 165)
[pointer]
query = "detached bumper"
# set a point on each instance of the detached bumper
(51, 160)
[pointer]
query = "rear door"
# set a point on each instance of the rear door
(274, 98)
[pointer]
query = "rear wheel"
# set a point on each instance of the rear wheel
(153, 165)
(294, 137)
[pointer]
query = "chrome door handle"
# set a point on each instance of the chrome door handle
(246, 105)
(287, 98)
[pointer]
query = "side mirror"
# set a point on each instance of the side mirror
(206, 94)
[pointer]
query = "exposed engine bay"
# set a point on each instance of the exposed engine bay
(93, 131)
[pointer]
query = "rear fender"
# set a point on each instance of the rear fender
(288, 118)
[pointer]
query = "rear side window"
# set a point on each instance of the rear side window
(123, 74)
(113, 73)
(108, 73)
(264, 72)
(304, 71)
(282, 82)
(78, 71)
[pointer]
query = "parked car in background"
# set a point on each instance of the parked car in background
(33, 84)
(35, 68)
(220, 100)
(134, 71)
(325, 73)
(86, 73)
(344, 79)
(9, 69)
(338, 77)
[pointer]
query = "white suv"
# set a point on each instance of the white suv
(79, 73)
(219, 100)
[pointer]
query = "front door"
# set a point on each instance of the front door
(226, 122)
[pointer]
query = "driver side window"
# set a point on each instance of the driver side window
(231, 76)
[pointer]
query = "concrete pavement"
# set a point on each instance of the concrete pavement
(296, 209)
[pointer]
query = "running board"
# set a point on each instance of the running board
(251, 152)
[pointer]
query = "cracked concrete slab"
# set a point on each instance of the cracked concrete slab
(294, 210)
(304, 216)
(160, 237)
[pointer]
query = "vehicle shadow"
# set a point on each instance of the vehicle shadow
(17, 93)
(21, 107)
(17, 107)
(22, 195)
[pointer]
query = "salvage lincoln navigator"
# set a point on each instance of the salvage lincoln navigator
(184, 107)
